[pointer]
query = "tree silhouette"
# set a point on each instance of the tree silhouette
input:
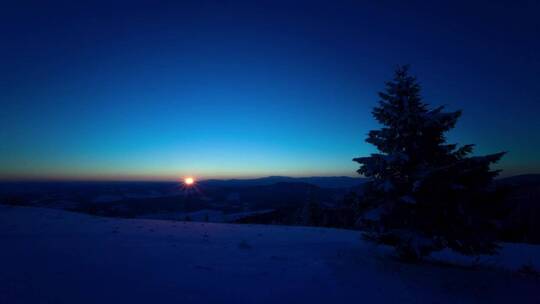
(425, 194)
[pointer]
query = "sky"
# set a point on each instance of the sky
(163, 89)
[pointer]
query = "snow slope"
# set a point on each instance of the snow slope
(53, 256)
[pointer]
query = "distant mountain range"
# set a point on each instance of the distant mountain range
(522, 180)
(319, 181)
(285, 195)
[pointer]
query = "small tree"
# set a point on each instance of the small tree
(311, 213)
(425, 194)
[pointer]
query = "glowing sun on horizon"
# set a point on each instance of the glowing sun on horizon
(189, 181)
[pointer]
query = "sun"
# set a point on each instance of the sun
(189, 181)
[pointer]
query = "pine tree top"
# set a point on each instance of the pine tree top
(411, 132)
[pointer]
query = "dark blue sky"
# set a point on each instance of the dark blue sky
(224, 88)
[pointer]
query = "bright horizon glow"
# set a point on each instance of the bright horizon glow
(166, 176)
(189, 181)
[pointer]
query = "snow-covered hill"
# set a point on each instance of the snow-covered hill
(53, 256)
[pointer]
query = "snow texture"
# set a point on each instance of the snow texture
(53, 256)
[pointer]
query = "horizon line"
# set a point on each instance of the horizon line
(179, 179)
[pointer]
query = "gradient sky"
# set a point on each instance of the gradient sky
(158, 90)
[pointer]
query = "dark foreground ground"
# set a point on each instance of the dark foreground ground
(54, 256)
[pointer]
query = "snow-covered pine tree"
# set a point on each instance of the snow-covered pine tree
(425, 194)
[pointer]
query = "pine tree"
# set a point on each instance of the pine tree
(425, 194)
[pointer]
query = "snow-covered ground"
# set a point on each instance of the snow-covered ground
(54, 256)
